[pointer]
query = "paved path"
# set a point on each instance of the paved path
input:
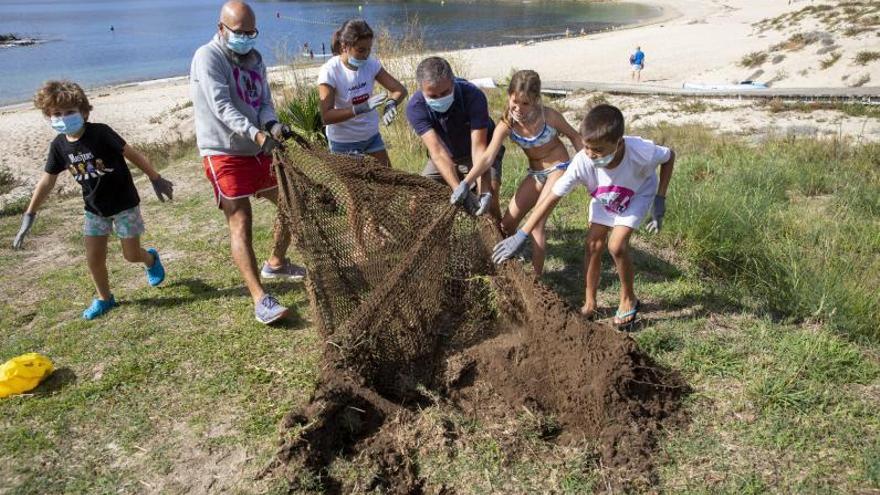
(864, 94)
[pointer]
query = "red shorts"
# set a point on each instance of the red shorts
(235, 177)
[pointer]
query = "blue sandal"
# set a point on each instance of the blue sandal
(633, 313)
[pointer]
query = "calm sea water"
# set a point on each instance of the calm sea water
(156, 38)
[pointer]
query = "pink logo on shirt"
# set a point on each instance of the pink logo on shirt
(248, 86)
(615, 199)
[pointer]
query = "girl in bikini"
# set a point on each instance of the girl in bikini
(536, 129)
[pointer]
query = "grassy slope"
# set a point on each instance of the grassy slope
(762, 291)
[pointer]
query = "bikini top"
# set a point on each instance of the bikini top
(547, 133)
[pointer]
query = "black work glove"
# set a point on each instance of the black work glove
(163, 186)
(269, 144)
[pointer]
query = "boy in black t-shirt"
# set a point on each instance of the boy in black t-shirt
(95, 156)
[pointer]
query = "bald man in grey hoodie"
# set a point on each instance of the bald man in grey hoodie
(236, 131)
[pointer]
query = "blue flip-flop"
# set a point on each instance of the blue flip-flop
(633, 312)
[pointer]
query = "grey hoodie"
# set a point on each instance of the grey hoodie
(231, 99)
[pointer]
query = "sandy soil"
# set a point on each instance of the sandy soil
(749, 118)
(695, 40)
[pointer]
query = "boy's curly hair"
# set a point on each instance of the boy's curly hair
(56, 95)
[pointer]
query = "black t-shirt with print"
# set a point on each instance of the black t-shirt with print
(96, 162)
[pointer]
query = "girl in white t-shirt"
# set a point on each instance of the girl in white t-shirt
(621, 174)
(345, 87)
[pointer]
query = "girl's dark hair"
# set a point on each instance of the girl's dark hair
(352, 31)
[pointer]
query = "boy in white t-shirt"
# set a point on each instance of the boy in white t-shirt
(621, 174)
(345, 88)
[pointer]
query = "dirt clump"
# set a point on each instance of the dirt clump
(413, 312)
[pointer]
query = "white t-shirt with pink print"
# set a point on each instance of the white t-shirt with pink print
(618, 190)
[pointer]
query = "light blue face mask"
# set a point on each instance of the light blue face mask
(357, 62)
(240, 43)
(442, 104)
(604, 161)
(68, 124)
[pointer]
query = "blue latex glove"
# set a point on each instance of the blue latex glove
(484, 202)
(507, 248)
(656, 222)
(460, 194)
(27, 221)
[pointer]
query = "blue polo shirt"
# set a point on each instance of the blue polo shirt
(469, 111)
(638, 57)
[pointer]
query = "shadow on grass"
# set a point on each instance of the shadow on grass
(567, 246)
(60, 378)
(200, 291)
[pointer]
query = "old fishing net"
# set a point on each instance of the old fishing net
(411, 309)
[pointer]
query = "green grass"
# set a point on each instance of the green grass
(761, 291)
(171, 382)
(852, 109)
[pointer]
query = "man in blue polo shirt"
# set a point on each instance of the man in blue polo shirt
(637, 61)
(452, 117)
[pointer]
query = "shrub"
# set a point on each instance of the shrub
(302, 112)
(831, 60)
(866, 57)
(753, 59)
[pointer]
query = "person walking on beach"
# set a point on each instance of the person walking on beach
(345, 87)
(95, 156)
(637, 62)
(452, 118)
(236, 131)
(536, 129)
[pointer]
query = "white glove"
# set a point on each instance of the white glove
(390, 112)
(371, 104)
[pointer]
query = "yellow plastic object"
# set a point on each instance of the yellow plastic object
(23, 373)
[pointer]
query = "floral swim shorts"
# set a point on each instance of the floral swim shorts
(127, 223)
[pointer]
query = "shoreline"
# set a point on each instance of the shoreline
(667, 12)
(691, 40)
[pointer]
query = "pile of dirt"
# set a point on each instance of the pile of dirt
(413, 312)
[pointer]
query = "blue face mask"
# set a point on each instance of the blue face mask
(442, 104)
(68, 124)
(240, 43)
(356, 62)
(604, 161)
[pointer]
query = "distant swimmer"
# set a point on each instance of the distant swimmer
(111, 28)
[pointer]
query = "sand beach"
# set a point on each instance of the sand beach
(693, 41)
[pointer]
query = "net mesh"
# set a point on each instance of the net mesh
(395, 272)
(407, 299)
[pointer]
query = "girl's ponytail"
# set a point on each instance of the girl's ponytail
(336, 42)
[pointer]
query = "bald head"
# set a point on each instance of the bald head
(238, 16)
